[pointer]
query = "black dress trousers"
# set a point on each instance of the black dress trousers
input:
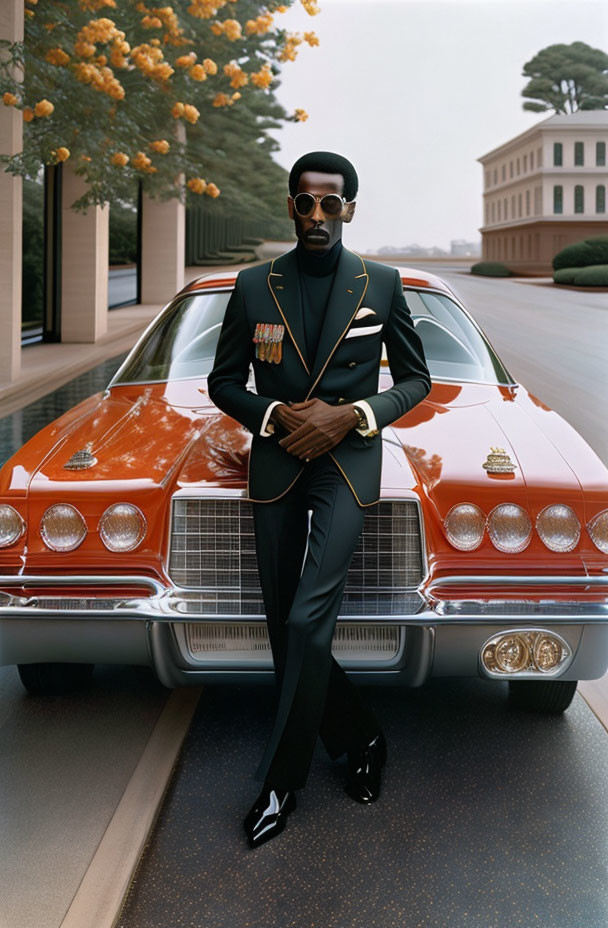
(303, 575)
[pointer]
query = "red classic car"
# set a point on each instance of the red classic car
(126, 533)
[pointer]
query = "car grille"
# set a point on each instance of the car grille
(212, 555)
(228, 643)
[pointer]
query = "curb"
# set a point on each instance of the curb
(102, 892)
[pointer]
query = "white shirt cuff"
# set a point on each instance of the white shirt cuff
(371, 419)
(268, 427)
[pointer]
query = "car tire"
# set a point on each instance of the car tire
(55, 679)
(542, 695)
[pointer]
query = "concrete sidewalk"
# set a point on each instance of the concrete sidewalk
(46, 366)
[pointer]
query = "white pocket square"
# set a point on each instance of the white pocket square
(365, 311)
(363, 330)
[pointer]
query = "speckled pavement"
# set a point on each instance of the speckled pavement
(489, 818)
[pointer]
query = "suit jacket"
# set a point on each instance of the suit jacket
(346, 366)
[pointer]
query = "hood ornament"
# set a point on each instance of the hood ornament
(82, 458)
(498, 462)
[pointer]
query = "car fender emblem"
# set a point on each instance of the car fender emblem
(498, 462)
(82, 458)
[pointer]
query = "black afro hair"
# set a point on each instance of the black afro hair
(331, 163)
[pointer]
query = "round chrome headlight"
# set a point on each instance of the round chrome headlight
(464, 526)
(122, 527)
(509, 527)
(558, 527)
(12, 525)
(512, 653)
(62, 527)
(598, 530)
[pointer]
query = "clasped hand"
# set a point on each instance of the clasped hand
(314, 426)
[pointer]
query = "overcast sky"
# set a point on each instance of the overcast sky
(413, 92)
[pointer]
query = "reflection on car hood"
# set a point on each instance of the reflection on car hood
(444, 445)
(140, 439)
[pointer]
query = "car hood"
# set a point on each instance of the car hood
(438, 448)
(137, 439)
(443, 443)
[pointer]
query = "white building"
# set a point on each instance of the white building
(544, 189)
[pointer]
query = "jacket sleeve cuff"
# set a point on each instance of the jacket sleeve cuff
(268, 427)
(371, 419)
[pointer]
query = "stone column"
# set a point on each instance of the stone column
(11, 199)
(84, 264)
(163, 245)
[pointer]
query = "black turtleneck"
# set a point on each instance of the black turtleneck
(317, 271)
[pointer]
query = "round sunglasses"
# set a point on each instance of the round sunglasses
(331, 204)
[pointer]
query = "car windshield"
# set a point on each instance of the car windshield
(180, 343)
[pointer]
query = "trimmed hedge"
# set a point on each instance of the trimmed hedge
(491, 269)
(565, 275)
(589, 251)
(596, 275)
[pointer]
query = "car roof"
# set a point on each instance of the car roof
(411, 276)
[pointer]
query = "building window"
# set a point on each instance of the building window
(558, 198)
(493, 212)
(498, 205)
(600, 153)
(527, 202)
(531, 160)
(510, 169)
(579, 153)
(513, 207)
(504, 172)
(579, 199)
(504, 206)
(600, 199)
(525, 163)
(539, 157)
(538, 200)
(487, 179)
(495, 176)
(518, 165)
(487, 213)
(519, 204)
(557, 154)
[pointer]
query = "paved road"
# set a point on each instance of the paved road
(489, 818)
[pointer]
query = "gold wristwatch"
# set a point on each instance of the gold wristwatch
(362, 422)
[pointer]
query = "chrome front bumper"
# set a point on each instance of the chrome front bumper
(443, 638)
(174, 604)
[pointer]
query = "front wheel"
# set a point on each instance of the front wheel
(542, 695)
(55, 679)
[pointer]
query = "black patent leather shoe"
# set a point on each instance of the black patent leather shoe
(268, 814)
(364, 770)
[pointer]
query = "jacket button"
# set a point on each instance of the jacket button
(352, 363)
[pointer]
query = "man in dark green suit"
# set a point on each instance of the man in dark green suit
(312, 323)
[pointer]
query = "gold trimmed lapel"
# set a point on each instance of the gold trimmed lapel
(284, 284)
(347, 292)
